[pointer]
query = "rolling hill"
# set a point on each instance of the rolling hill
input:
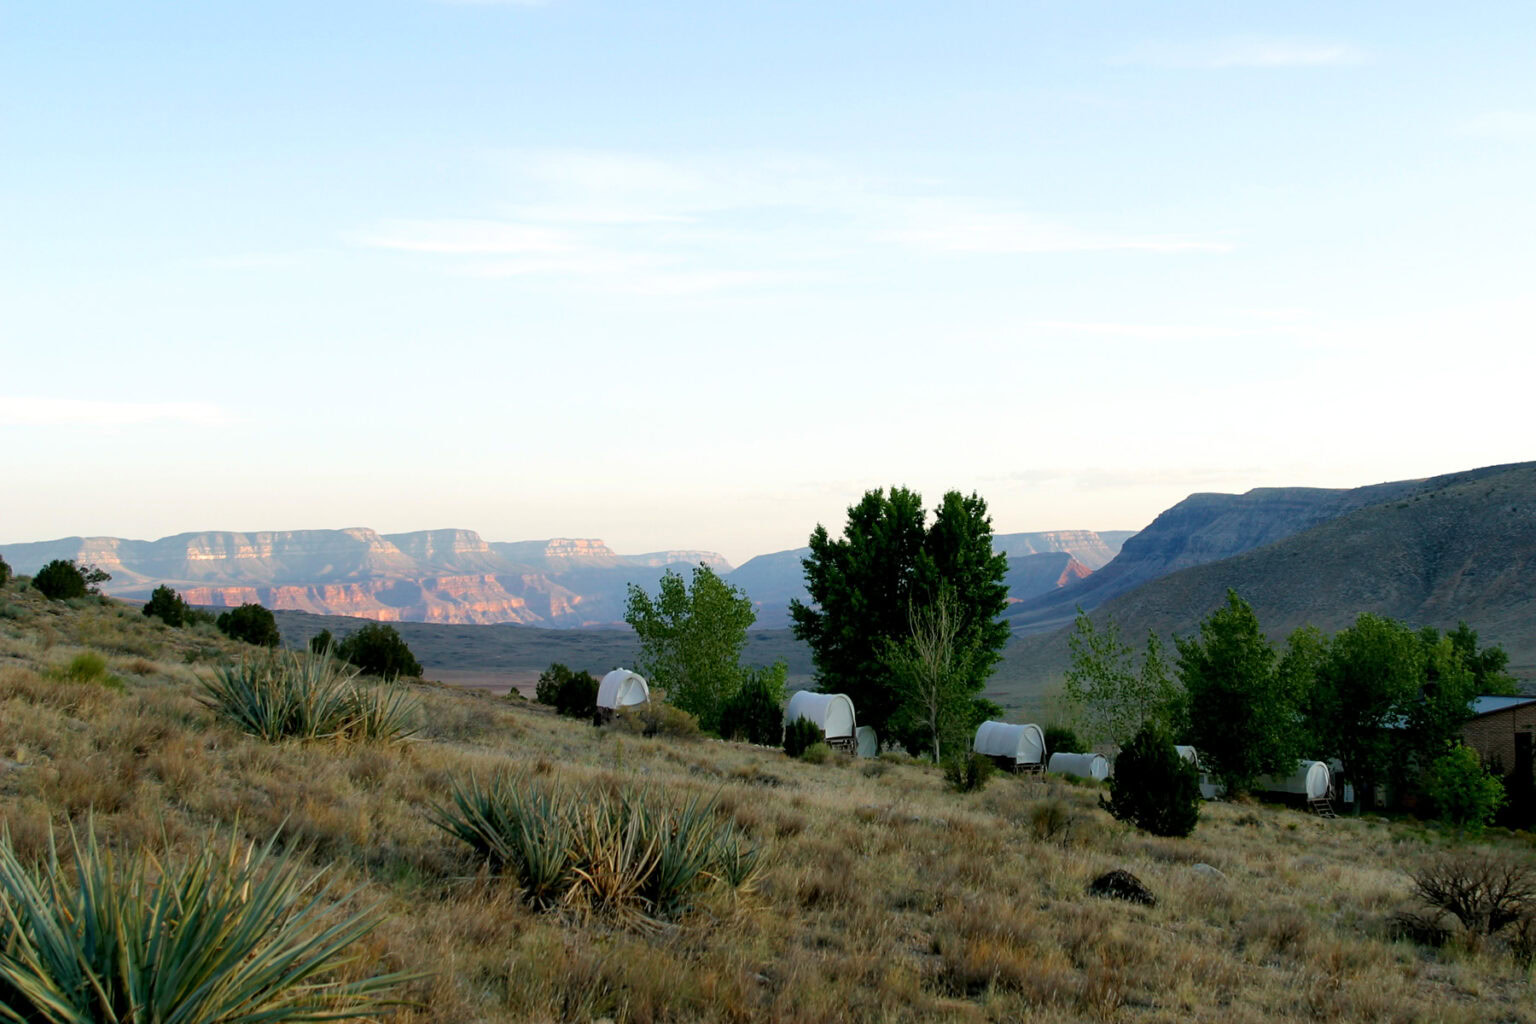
(1432, 552)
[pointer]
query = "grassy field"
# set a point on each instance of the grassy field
(884, 896)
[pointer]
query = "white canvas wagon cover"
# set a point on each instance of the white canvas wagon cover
(1025, 744)
(1084, 766)
(1311, 779)
(622, 688)
(833, 712)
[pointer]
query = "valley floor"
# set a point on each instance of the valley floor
(885, 896)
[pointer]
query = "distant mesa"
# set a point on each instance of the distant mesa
(455, 576)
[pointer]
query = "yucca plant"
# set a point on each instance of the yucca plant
(685, 841)
(289, 696)
(240, 935)
(383, 714)
(516, 828)
(735, 860)
(615, 854)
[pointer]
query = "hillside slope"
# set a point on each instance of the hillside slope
(878, 895)
(1209, 527)
(1459, 548)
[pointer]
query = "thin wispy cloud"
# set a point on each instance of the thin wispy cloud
(34, 411)
(634, 222)
(1244, 52)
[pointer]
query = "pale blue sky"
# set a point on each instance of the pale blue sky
(699, 274)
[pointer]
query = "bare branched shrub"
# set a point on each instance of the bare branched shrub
(1485, 891)
(1050, 821)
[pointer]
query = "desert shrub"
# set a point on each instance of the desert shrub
(59, 580)
(167, 606)
(90, 668)
(655, 718)
(250, 623)
(569, 693)
(968, 772)
(1464, 794)
(755, 712)
(1063, 738)
(816, 753)
(236, 934)
(321, 642)
(617, 853)
(1153, 787)
(1050, 820)
(1486, 891)
(378, 650)
(801, 734)
(5, 572)
(289, 697)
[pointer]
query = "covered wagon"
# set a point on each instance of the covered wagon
(620, 688)
(1210, 787)
(1018, 748)
(832, 713)
(1084, 766)
(1310, 784)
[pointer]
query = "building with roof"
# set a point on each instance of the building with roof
(1501, 731)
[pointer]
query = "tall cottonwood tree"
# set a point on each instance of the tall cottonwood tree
(930, 670)
(1244, 713)
(1112, 696)
(889, 561)
(691, 639)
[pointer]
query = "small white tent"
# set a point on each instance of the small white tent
(1311, 780)
(1018, 746)
(1084, 766)
(622, 688)
(833, 712)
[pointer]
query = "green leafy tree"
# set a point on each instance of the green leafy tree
(250, 623)
(888, 561)
(1063, 738)
(167, 606)
(1365, 689)
(5, 572)
(1153, 787)
(930, 669)
(1244, 714)
(691, 639)
(1113, 697)
(379, 650)
(1489, 665)
(60, 580)
(1464, 794)
(321, 642)
(755, 712)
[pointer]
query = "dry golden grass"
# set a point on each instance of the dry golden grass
(885, 896)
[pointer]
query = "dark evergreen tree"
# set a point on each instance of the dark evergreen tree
(250, 623)
(569, 693)
(5, 572)
(755, 713)
(378, 650)
(59, 580)
(167, 606)
(1153, 787)
(321, 642)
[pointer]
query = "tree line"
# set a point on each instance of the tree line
(1386, 700)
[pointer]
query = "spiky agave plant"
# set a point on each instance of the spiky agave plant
(685, 842)
(239, 935)
(282, 696)
(516, 827)
(382, 714)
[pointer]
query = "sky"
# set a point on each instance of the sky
(697, 275)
